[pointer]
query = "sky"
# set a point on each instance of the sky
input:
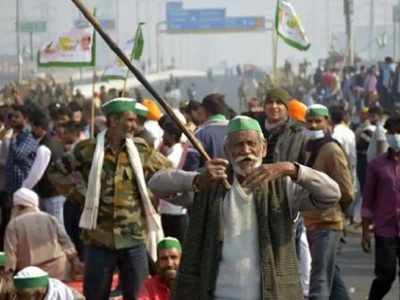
(323, 21)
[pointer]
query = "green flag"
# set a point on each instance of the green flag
(138, 45)
(288, 26)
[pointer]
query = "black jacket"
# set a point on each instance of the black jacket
(44, 188)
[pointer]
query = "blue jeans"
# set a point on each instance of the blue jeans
(325, 281)
(54, 206)
(100, 264)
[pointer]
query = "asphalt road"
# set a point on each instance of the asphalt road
(358, 270)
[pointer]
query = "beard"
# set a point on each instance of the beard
(169, 274)
(252, 163)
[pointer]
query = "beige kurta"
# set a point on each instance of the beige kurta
(35, 238)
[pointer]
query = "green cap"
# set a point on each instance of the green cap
(2, 259)
(118, 105)
(31, 278)
(243, 123)
(279, 94)
(317, 110)
(169, 243)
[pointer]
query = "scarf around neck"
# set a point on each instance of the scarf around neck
(92, 200)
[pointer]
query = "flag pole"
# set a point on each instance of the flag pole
(125, 83)
(93, 104)
(275, 56)
(114, 47)
(275, 47)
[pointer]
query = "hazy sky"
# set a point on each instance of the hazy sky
(321, 18)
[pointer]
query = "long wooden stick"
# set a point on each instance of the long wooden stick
(114, 47)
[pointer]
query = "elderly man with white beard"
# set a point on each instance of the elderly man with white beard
(240, 241)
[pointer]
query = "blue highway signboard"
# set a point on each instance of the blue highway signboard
(180, 20)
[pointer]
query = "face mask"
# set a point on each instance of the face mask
(394, 141)
(314, 134)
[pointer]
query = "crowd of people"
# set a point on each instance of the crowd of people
(116, 203)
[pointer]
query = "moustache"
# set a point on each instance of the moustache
(242, 158)
(169, 269)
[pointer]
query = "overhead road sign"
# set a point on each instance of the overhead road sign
(211, 20)
(108, 24)
(33, 26)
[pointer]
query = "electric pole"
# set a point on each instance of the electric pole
(17, 32)
(396, 22)
(371, 29)
(348, 13)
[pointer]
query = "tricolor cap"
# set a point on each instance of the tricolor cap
(169, 243)
(31, 278)
(118, 105)
(318, 110)
(3, 259)
(243, 123)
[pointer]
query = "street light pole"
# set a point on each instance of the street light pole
(158, 33)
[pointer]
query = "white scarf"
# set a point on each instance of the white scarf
(89, 216)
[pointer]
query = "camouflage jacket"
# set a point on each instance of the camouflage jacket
(121, 221)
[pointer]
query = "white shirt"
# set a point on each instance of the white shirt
(38, 168)
(347, 138)
(155, 130)
(58, 291)
(378, 136)
(239, 276)
(174, 154)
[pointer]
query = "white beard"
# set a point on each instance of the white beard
(238, 170)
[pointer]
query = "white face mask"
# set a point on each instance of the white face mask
(314, 134)
(394, 141)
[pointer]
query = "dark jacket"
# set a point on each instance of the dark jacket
(286, 143)
(44, 188)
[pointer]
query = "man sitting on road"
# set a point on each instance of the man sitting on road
(159, 286)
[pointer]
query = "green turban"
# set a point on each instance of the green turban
(243, 123)
(279, 94)
(317, 110)
(169, 243)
